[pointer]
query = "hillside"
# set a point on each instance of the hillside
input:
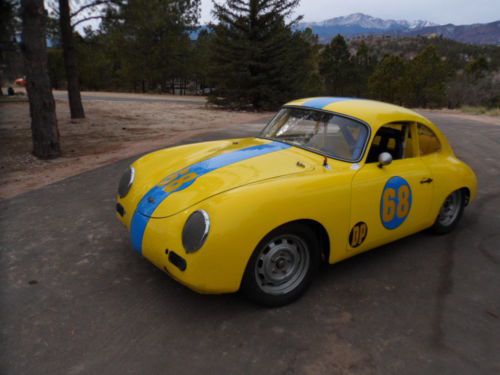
(488, 33)
(456, 53)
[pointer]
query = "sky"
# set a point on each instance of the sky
(459, 12)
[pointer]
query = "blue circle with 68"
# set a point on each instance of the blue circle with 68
(395, 203)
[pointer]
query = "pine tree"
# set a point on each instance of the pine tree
(252, 62)
(477, 68)
(8, 26)
(336, 66)
(305, 55)
(44, 128)
(387, 81)
(425, 79)
(70, 61)
(151, 39)
(200, 61)
(364, 64)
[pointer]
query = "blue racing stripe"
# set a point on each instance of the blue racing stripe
(320, 103)
(183, 179)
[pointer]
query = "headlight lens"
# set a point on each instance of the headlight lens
(195, 231)
(126, 182)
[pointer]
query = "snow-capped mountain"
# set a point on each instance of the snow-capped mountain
(360, 20)
(359, 24)
(362, 24)
(419, 24)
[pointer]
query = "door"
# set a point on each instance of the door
(392, 201)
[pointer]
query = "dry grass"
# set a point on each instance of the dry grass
(481, 110)
(111, 131)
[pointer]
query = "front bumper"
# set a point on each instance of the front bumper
(210, 270)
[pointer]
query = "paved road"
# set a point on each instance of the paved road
(76, 300)
(103, 97)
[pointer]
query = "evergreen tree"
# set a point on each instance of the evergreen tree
(151, 40)
(336, 66)
(8, 26)
(98, 64)
(70, 60)
(364, 64)
(387, 83)
(475, 85)
(44, 130)
(477, 68)
(200, 61)
(254, 61)
(56, 68)
(302, 70)
(426, 78)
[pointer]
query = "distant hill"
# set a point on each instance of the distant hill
(487, 33)
(457, 54)
(361, 24)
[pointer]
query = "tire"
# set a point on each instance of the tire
(450, 213)
(282, 266)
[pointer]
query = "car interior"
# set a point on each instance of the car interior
(394, 139)
(334, 144)
(340, 138)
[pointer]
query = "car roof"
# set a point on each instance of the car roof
(372, 112)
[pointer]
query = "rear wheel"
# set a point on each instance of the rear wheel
(282, 266)
(450, 213)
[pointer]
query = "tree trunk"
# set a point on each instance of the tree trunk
(70, 61)
(42, 106)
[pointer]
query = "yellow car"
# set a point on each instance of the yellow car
(328, 178)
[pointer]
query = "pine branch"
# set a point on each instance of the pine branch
(86, 19)
(89, 5)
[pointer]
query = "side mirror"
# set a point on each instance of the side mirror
(384, 159)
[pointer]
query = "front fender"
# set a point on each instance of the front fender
(240, 218)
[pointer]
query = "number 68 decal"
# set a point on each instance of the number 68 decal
(395, 203)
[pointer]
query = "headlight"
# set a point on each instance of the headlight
(126, 182)
(195, 231)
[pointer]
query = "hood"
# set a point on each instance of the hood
(172, 180)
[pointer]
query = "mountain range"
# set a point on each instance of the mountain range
(358, 24)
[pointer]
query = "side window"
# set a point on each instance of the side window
(428, 141)
(395, 139)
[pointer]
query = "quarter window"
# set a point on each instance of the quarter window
(428, 141)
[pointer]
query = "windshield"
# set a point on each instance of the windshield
(326, 133)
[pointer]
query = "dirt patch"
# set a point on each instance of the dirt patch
(126, 95)
(111, 131)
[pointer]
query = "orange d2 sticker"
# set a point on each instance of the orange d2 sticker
(358, 234)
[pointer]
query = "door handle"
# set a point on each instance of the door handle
(426, 181)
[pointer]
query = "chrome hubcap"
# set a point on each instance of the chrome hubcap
(282, 264)
(450, 209)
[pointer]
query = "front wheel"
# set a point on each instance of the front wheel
(282, 266)
(450, 213)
